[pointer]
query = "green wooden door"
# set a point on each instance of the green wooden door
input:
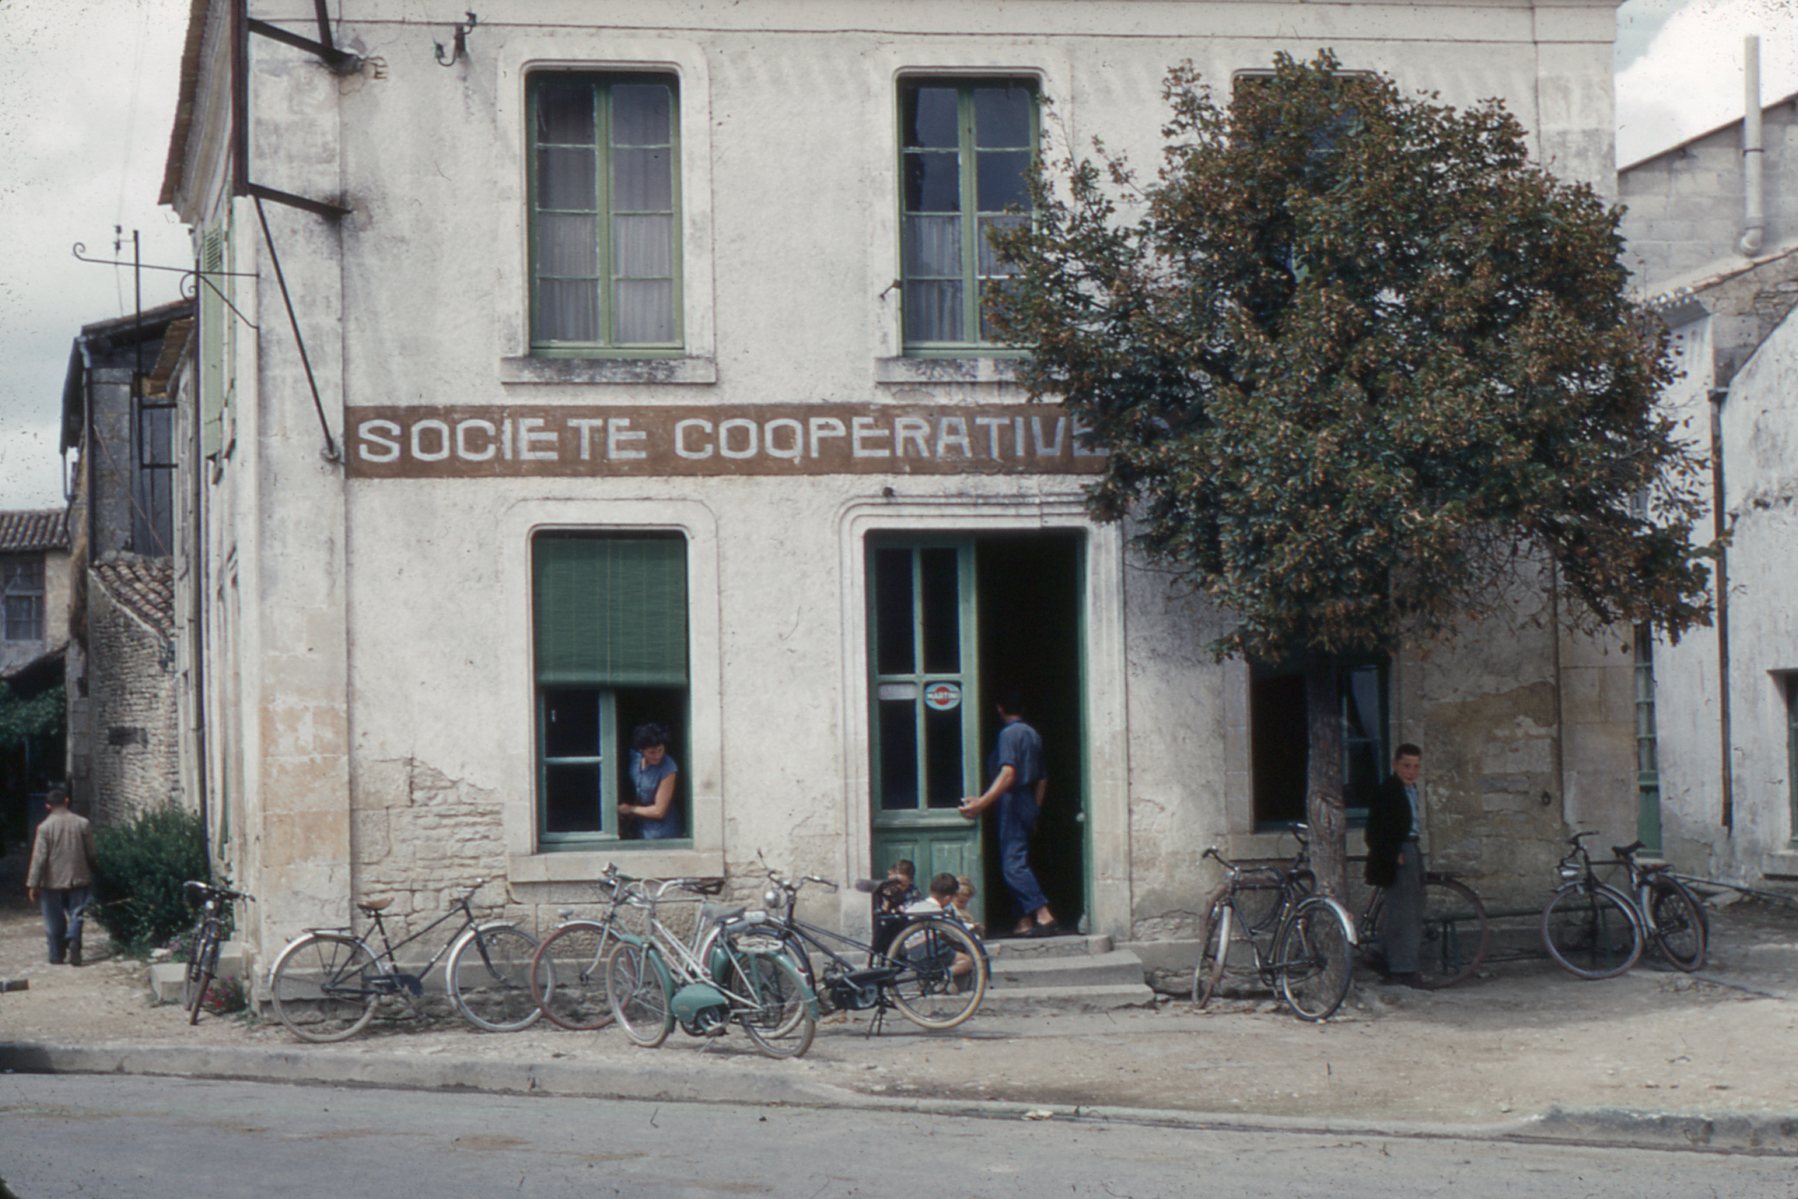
(922, 655)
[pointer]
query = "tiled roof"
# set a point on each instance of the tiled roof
(143, 586)
(46, 529)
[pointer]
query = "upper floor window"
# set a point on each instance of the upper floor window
(966, 150)
(22, 597)
(605, 208)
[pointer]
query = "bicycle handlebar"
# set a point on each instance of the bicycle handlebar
(211, 889)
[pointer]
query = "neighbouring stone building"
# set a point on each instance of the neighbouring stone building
(1717, 253)
(124, 748)
(640, 375)
(34, 633)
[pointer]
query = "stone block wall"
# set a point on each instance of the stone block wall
(132, 750)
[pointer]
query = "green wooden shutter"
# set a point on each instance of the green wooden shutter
(212, 342)
(611, 611)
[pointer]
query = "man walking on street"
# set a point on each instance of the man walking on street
(61, 870)
(1394, 861)
(1018, 787)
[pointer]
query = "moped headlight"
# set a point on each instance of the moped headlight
(773, 899)
(1567, 873)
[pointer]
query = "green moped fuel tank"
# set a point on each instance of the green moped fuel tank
(695, 998)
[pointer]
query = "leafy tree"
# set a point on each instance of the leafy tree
(1355, 358)
(22, 718)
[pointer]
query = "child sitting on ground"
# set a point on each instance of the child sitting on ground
(943, 889)
(964, 897)
(900, 890)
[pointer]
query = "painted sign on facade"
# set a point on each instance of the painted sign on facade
(761, 439)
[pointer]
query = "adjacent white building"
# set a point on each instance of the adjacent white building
(645, 378)
(1713, 232)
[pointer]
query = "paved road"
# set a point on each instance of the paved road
(145, 1138)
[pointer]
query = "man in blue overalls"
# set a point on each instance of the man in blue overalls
(1018, 786)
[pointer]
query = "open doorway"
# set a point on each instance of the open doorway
(952, 621)
(1029, 601)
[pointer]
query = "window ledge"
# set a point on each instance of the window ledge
(608, 370)
(580, 866)
(946, 370)
(1781, 864)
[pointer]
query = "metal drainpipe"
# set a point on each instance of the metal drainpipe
(1754, 213)
(1719, 524)
(196, 574)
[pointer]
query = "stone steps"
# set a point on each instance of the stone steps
(1072, 973)
(166, 977)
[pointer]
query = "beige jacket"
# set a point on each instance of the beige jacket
(63, 855)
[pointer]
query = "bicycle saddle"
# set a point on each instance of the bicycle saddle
(718, 912)
(371, 906)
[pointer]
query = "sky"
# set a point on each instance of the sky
(87, 94)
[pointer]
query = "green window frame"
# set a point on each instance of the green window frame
(605, 214)
(966, 147)
(1790, 681)
(921, 609)
(609, 651)
(1648, 767)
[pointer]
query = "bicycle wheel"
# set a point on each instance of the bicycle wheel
(1455, 933)
(640, 1002)
(568, 975)
(202, 964)
(779, 1017)
(489, 978)
(942, 973)
(1216, 939)
(1313, 962)
(1679, 931)
(323, 986)
(1591, 931)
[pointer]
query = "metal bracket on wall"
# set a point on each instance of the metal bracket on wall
(340, 61)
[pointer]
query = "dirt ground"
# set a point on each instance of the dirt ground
(1521, 1039)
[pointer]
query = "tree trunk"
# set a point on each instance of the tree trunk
(1323, 778)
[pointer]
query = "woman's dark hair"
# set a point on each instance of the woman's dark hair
(647, 736)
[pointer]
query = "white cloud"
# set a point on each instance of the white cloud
(1689, 79)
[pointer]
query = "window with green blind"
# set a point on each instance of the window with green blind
(610, 653)
(966, 148)
(605, 213)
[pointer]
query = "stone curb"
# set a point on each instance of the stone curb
(1731, 1132)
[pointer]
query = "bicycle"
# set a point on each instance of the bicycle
(326, 983)
(911, 966)
(1456, 931)
(1590, 928)
(734, 971)
(1673, 919)
(568, 971)
(1301, 945)
(210, 932)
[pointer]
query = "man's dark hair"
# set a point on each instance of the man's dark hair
(1011, 700)
(56, 795)
(648, 736)
(1406, 750)
(944, 886)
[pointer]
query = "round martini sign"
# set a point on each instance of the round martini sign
(942, 697)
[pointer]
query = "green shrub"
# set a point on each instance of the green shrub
(142, 865)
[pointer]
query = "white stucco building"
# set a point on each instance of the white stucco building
(1713, 231)
(644, 379)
